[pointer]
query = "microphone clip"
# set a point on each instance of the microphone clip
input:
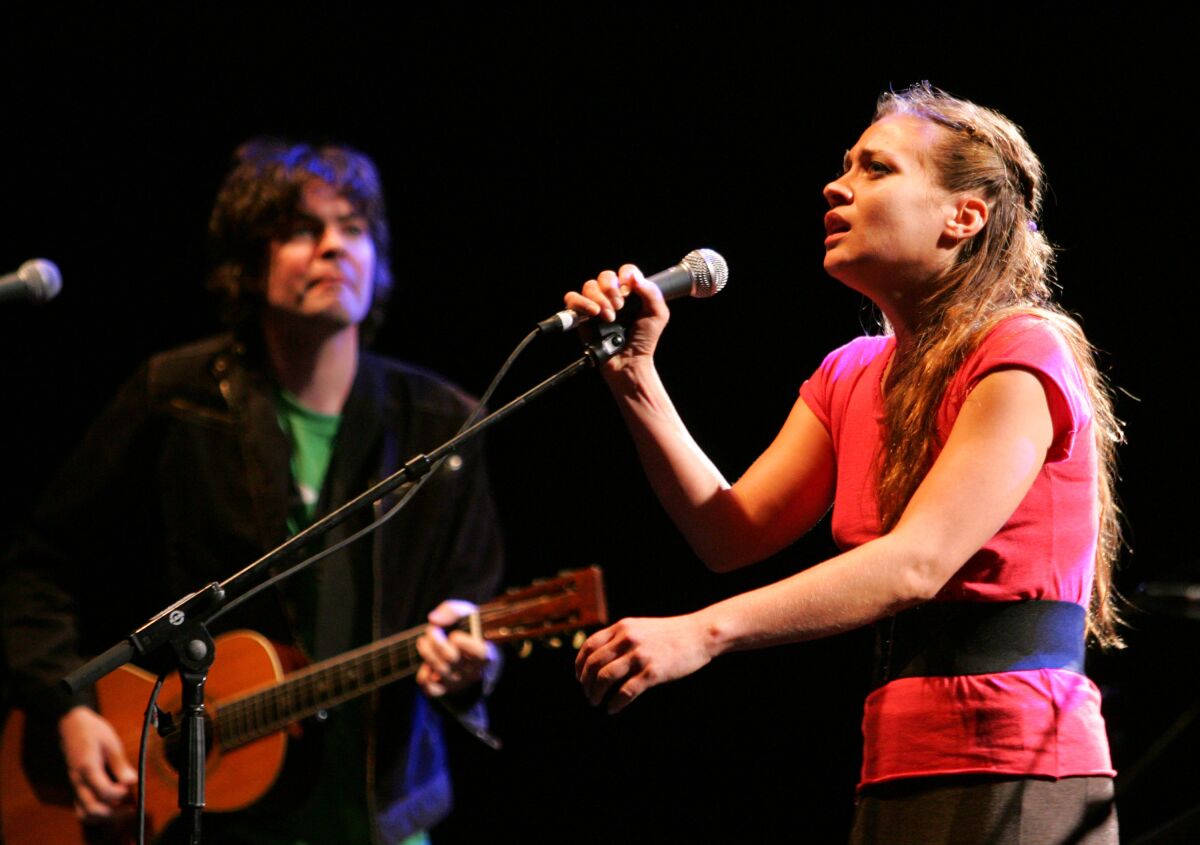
(602, 340)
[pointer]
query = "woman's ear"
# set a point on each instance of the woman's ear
(970, 216)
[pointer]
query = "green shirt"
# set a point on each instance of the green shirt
(335, 808)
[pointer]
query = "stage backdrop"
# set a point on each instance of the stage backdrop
(523, 150)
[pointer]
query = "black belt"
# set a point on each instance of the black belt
(941, 639)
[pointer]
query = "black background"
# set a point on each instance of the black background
(524, 148)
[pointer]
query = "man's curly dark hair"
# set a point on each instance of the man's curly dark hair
(259, 201)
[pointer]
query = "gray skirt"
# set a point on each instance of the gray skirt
(985, 810)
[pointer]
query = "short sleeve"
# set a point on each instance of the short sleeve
(1034, 344)
(815, 394)
(829, 390)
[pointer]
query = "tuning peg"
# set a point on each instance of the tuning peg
(578, 640)
(526, 649)
(554, 642)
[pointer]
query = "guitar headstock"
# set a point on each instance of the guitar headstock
(571, 601)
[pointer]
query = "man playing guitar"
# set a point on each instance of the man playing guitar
(212, 454)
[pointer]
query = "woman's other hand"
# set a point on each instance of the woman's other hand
(624, 660)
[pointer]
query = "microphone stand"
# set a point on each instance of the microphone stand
(178, 637)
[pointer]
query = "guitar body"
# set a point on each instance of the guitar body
(249, 697)
(33, 814)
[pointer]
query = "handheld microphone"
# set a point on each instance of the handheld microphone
(37, 280)
(702, 273)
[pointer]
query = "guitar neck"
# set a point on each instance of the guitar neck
(573, 600)
(248, 717)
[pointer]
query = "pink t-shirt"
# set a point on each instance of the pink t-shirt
(1043, 722)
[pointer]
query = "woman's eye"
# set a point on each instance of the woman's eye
(878, 167)
(354, 230)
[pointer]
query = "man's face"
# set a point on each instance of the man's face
(323, 268)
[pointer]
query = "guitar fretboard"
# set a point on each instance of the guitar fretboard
(248, 717)
(570, 601)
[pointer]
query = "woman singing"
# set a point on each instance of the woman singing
(967, 454)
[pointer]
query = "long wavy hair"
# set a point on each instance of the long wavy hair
(1004, 270)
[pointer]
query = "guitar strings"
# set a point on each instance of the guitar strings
(256, 714)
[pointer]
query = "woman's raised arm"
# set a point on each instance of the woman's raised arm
(783, 494)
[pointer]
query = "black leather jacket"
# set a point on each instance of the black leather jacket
(185, 478)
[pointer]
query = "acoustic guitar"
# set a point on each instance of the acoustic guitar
(251, 700)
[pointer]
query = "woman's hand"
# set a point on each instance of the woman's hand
(605, 295)
(455, 662)
(624, 660)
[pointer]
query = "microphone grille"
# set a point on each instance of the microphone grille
(709, 272)
(42, 278)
